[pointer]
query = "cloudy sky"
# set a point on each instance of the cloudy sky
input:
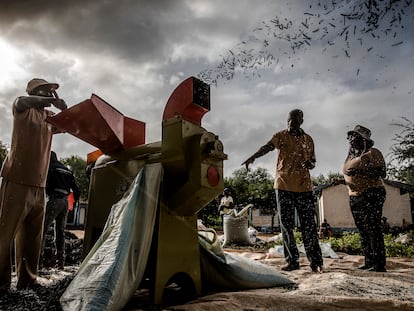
(341, 64)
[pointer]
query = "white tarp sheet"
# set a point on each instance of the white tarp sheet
(222, 270)
(114, 268)
(327, 251)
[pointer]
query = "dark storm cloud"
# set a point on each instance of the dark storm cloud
(134, 53)
(129, 29)
(342, 29)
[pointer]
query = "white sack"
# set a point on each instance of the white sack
(222, 270)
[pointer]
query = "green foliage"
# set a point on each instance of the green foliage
(322, 179)
(397, 249)
(349, 243)
(78, 167)
(252, 186)
(401, 165)
(297, 235)
(3, 152)
(210, 216)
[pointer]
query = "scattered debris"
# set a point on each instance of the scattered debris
(325, 23)
(53, 281)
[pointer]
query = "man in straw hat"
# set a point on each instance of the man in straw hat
(363, 170)
(22, 192)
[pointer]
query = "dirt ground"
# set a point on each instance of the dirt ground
(340, 287)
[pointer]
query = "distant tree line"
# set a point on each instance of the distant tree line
(256, 186)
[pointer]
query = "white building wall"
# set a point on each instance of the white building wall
(261, 220)
(397, 207)
(334, 207)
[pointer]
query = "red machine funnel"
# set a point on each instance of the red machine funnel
(101, 125)
(191, 100)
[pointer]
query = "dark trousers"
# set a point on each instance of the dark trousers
(367, 211)
(303, 203)
(56, 210)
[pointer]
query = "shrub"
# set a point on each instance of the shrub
(397, 249)
(349, 243)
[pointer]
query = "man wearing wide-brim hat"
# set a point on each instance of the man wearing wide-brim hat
(22, 192)
(364, 170)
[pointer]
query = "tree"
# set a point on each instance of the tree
(252, 186)
(210, 215)
(3, 152)
(78, 167)
(401, 165)
(322, 179)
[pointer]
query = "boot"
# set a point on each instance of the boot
(61, 264)
(291, 266)
(60, 261)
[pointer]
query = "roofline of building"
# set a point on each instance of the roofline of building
(402, 186)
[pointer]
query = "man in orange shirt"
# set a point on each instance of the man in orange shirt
(22, 192)
(293, 188)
